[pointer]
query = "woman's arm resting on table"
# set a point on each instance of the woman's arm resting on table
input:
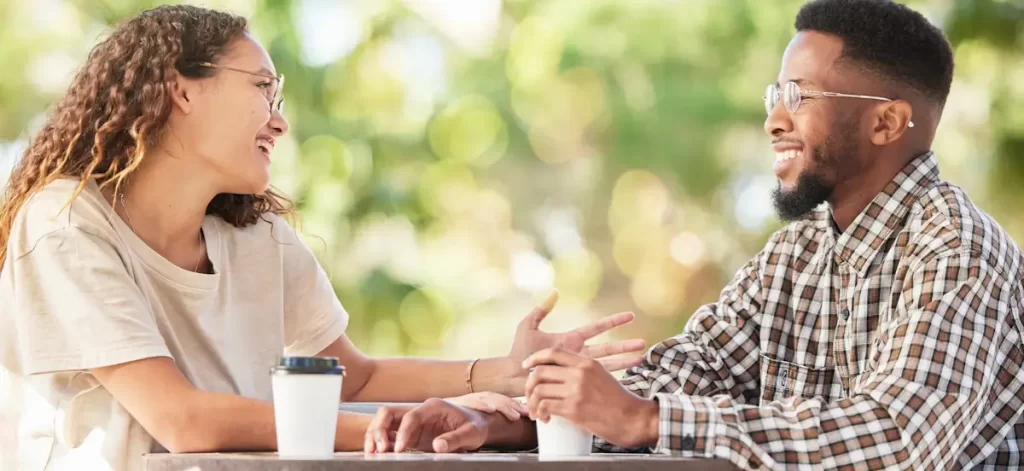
(185, 419)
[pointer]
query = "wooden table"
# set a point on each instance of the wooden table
(425, 462)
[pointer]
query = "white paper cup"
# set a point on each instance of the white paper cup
(559, 437)
(307, 391)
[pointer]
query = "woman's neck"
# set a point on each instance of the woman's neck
(165, 202)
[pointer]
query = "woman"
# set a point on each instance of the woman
(149, 279)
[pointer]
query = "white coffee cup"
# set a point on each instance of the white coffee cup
(307, 391)
(559, 437)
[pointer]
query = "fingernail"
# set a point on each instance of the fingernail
(399, 446)
(441, 446)
(380, 446)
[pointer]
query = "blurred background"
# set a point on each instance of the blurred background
(455, 160)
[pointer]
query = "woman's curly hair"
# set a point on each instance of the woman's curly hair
(117, 107)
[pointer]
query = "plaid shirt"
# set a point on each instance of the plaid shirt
(895, 344)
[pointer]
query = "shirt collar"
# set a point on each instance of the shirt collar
(859, 243)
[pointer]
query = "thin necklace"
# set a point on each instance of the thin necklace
(202, 240)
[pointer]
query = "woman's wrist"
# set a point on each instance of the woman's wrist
(500, 374)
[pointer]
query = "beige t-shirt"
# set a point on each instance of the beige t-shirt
(79, 290)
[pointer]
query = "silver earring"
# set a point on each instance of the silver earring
(910, 124)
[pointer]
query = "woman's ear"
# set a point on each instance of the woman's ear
(183, 91)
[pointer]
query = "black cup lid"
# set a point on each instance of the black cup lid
(308, 365)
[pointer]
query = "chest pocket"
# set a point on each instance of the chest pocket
(782, 380)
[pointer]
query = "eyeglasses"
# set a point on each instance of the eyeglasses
(791, 96)
(273, 91)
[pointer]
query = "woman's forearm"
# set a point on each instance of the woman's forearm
(415, 380)
(226, 422)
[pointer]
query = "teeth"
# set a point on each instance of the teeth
(787, 155)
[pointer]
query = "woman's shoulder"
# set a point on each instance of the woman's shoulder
(64, 204)
(61, 209)
(271, 232)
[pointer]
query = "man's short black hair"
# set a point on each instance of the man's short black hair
(888, 39)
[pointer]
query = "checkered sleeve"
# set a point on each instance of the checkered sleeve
(946, 362)
(716, 353)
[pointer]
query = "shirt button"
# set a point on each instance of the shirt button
(686, 444)
(845, 314)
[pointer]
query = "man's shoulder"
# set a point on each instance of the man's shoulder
(944, 221)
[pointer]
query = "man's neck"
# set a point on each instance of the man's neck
(852, 196)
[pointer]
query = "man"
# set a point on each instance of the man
(882, 331)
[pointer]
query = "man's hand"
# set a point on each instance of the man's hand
(583, 392)
(435, 426)
(530, 339)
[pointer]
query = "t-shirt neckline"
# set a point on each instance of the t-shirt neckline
(156, 262)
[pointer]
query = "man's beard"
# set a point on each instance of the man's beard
(812, 186)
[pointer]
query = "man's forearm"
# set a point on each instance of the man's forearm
(226, 422)
(504, 434)
(415, 380)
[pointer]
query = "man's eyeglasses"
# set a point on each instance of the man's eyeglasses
(273, 90)
(791, 96)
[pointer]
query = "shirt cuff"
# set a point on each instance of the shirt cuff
(687, 425)
(602, 446)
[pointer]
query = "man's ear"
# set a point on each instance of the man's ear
(892, 119)
(183, 91)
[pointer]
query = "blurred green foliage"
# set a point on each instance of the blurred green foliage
(454, 160)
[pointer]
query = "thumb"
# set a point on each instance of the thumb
(537, 315)
(465, 438)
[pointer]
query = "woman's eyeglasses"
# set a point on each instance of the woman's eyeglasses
(791, 96)
(273, 90)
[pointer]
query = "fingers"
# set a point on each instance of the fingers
(489, 402)
(608, 349)
(465, 438)
(545, 374)
(510, 412)
(545, 392)
(368, 444)
(552, 356)
(548, 407)
(537, 315)
(477, 403)
(604, 325)
(616, 364)
(410, 428)
(506, 406)
(376, 438)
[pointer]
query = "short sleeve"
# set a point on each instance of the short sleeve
(313, 315)
(71, 305)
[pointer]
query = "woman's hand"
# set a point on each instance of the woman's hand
(530, 339)
(489, 402)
